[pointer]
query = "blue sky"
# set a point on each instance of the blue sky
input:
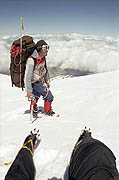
(99, 17)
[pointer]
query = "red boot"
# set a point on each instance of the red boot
(48, 108)
(34, 106)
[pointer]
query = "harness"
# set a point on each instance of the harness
(24, 147)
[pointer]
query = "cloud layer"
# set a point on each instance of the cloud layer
(71, 51)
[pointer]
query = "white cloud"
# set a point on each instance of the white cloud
(71, 51)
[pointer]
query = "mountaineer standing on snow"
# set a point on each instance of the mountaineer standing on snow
(37, 78)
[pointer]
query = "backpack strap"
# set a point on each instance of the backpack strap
(46, 65)
(35, 62)
(34, 59)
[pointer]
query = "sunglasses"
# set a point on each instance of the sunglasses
(43, 47)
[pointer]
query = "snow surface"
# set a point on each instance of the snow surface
(71, 51)
(91, 101)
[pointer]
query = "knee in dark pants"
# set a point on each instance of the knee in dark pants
(49, 97)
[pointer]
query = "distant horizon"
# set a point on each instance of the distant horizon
(61, 33)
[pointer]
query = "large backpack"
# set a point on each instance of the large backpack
(19, 56)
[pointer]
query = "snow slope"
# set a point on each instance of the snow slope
(90, 101)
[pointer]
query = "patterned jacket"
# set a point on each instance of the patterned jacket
(35, 72)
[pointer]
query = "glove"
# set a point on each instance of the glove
(30, 95)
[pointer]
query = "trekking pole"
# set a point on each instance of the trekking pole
(31, 113)
(21, 28)
(33, 100)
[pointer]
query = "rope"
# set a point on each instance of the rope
(15, 51)
(47, 90)
(34, 97)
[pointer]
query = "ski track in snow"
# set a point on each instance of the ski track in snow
(90, 101)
